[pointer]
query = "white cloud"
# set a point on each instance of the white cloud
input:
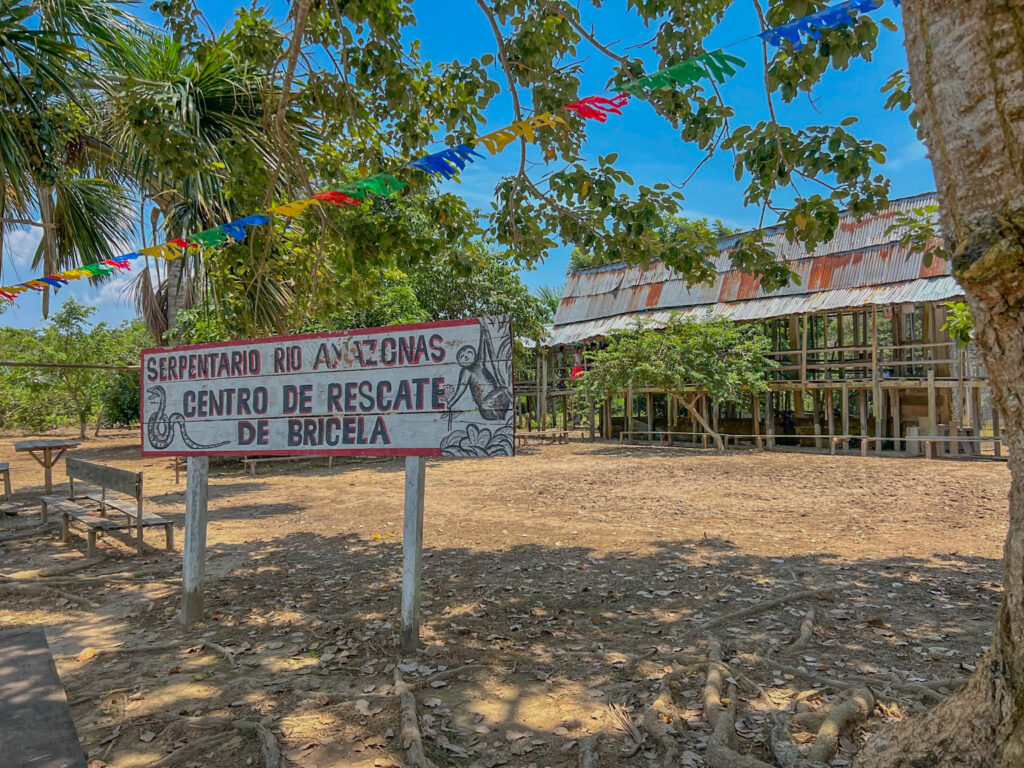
(19, 248)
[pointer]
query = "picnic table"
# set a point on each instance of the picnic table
(47, 460)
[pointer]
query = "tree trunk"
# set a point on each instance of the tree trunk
(691, 407)
(966, 64)
(175, 295)
(49, 240)
(83, 422)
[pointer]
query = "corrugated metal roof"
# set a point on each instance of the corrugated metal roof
(862, 255)
(912, 291)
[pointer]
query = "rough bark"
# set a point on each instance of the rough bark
(966, 63)
(691, 407)
(47, 208)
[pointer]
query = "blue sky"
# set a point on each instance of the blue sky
(647, 146)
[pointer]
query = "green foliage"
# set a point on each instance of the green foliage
(121, 400)
(698, 236)
(37, 399)
(712, 355)
(919, 230)
(550, 297)
(959, 323)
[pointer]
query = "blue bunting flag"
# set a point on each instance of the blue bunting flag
(448, 162)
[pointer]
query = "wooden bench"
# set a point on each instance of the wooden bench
(5, 471)
(36, 729)
(106, 479)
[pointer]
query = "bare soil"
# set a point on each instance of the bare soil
(560, 586)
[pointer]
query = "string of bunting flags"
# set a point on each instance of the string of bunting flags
(448, 163)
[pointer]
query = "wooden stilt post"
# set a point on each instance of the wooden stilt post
(650, 416)
(933, 415)
(879, 417)
(862, 408)
(830, 416)
(542, 402)
(197, 477)
(769, 419)
(896, 420)
(629, 411)
(846, 414)
(995, 427)
(412, 551)
(756, 413)
(592, 410)
(816, 416)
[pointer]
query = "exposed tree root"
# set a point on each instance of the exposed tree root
(787, 753)
(767, 605)
(54, 570)
(162, 648)
(856, 709)
(412, 741)
(589, 755)
(722, 752)
(806, 631)
(917, 689)
(445, 675)
(29, 533)
(39, 590)
(190, 751)
(269, 748)
(663, 719)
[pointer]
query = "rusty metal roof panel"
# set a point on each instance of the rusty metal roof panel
(912, 291)
(862, 254)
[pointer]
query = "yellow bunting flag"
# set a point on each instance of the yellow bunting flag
(501, 138)
(294, 208)
(162, 251)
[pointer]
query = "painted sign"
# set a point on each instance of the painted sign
(429, 389)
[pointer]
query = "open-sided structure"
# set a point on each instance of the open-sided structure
(857, 338)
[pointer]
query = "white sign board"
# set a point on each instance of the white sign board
(429, 389)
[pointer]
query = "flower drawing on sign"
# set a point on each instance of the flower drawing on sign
(478, 441)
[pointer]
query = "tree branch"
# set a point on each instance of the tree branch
(517, 108)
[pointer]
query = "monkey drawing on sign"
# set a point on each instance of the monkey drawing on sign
(480, 375)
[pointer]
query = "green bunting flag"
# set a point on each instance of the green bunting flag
(379, 184)
(717, 65)
(209, 238)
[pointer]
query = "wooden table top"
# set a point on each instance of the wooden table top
(31, 445)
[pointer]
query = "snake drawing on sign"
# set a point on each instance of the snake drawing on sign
(483, 379)
(160, 427)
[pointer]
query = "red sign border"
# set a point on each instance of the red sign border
(300, 337)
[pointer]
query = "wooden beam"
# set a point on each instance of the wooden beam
(933, 415)
(542, 405)
(862, 408)
(896, 419)
(412, 551)
(995, 426)
(879, 418)
(845, 394)
(197, 477)
(816, 416)
(830, 414)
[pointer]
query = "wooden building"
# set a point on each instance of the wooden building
(858, 342)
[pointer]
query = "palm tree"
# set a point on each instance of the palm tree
(48, 94)
(550, 297)
(181, 121)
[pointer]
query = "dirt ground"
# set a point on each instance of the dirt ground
(559, 589)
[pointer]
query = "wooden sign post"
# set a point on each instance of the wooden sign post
(412, 550)
(193, 565)
(430, 389)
